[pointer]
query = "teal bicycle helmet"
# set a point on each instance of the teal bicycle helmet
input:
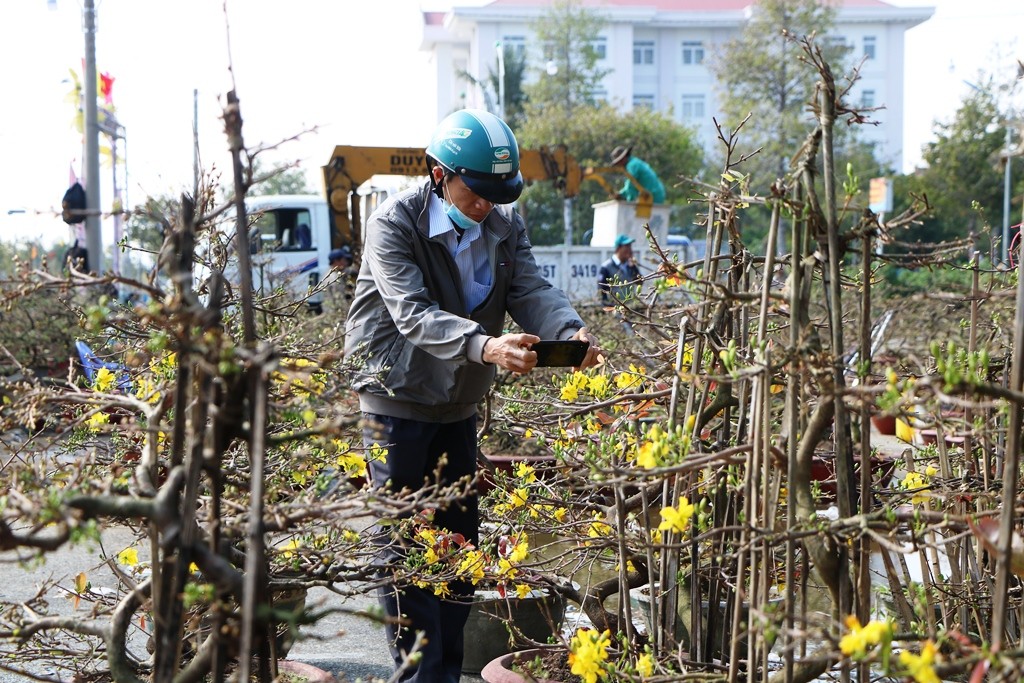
(480, 148)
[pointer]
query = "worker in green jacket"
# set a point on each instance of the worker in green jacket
(642, 171)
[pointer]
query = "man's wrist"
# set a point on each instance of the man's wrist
(477, 348)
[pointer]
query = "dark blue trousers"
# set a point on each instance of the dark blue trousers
(414, 451)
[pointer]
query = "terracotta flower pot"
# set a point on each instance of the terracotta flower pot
(501, 670)
(312, 674)
(885, 424)
(823, 470)
(536, 617)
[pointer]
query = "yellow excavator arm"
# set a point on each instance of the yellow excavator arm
(644, 200)
(351, 166)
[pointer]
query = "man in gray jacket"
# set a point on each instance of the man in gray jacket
(442, 267)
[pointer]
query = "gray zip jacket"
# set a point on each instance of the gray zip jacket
(415, 349)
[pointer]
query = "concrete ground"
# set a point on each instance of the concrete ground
(350, 647)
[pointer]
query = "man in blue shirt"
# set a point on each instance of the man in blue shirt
(642, 171)
(619, 275)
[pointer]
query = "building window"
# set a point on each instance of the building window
(643, 101)
(643, 52)
(599, 95)
(869, 47)
(867, 99)
(693, 52)
(836, 41)
(693, 108)
(600, 47)
(515, 44)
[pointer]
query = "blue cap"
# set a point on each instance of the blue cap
(343, 252)
(623, 240)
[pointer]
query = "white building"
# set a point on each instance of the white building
(656, 51)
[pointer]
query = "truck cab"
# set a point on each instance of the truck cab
(289, 244)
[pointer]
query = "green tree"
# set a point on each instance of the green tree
(760, 73)
(286, 180)
(763, 73)
(561, 110)
(569, 75)
(515, 95)
(963, 179)
(667, 146)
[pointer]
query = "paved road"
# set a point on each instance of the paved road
(348, 646)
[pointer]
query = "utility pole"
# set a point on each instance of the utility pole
(1006, 194)
(93, 225)
(501, 80)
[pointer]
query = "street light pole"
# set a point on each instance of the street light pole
(501, 79)
(1006, 196)
(93, 235)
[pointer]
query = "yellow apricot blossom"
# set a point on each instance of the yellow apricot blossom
(517, 497)
(917, 482)
(645, 665)
(676, 518)
(526, 472)
(598, 527)
(289, 547)
(145, 390)
(860, 639)
(97, 420)
(471, 567)
(129, 557)
(519, 550)
(599, 386)
(588, 651)
(920, 667)
(105, 380)
(352, 464)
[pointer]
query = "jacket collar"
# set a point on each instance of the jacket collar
(498, 223)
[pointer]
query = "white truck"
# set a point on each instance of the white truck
(295, 234)
(291, 246)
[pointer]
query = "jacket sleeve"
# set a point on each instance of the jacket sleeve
(533, 302)
(390, 253)
(603, 282)
(646, 176)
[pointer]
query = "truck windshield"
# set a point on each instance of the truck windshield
(283, 230)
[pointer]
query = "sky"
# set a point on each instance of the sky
(347, 71)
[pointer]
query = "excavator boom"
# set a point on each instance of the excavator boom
(351, 166)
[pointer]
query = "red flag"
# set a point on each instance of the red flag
(107, 87)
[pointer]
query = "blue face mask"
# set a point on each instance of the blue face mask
(460, 219)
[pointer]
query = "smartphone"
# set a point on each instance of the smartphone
(560, 354)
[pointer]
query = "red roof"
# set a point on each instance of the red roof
(433, 18)
(674, 5)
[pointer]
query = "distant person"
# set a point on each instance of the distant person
(619, 276)
(642, 171)
(303, 237)
(340, 258)
(76, 258)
